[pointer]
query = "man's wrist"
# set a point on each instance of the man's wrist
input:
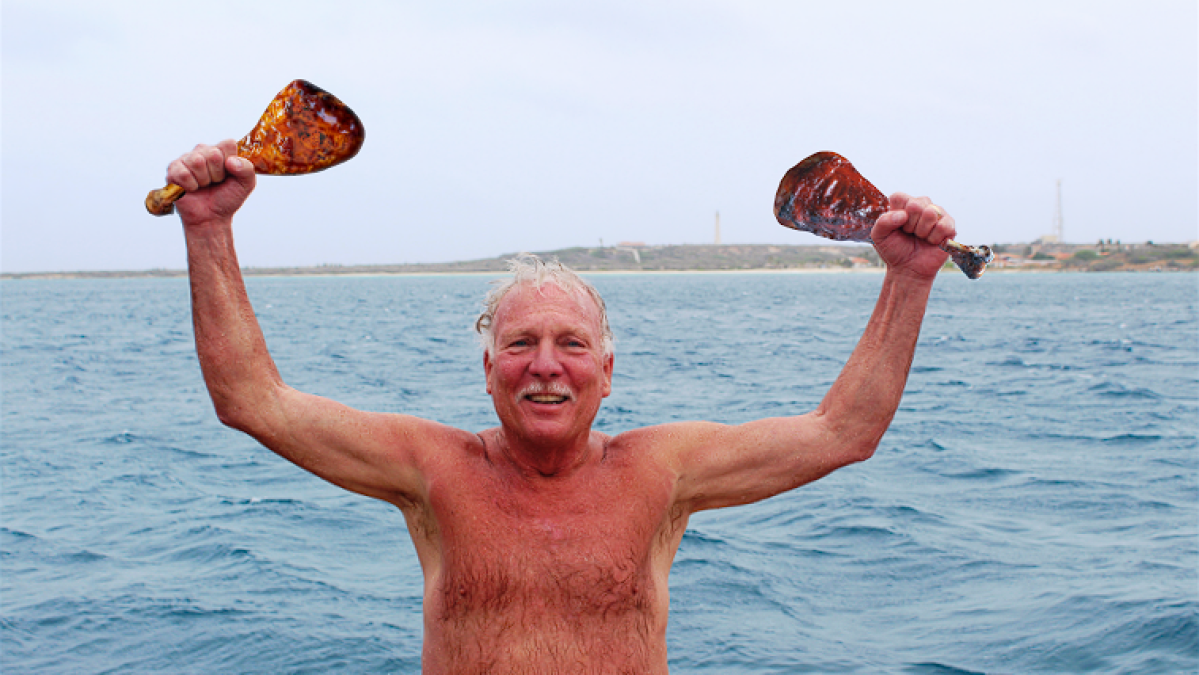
(909, 281)
(207, 226)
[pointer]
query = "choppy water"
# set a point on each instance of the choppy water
(1033, 508)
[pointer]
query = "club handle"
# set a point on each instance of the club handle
(161, 202)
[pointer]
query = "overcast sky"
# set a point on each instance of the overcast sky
(498, 127)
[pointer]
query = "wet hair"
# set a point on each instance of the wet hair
(527, 268)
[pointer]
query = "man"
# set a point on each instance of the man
(545, 545)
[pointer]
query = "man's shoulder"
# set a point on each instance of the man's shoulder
(433, 437)
(660, 442)
(667, 433)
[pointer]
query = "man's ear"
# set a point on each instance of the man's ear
(487, 369)
(609, 360)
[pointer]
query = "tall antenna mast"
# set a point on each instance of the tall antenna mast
(1057, 216)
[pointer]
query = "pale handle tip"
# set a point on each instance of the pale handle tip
(161, 202)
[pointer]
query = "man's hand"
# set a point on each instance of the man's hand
(216, 179)
(908, 237)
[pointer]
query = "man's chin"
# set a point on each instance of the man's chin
(548, 425)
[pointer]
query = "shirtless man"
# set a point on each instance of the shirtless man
(545, 545)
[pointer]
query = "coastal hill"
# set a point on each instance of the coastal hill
(638, 257)
(641, 258)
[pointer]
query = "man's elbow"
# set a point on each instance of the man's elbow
(245, 408)
(854, 442)
(239, 413)
(233, 416)
(861, 451)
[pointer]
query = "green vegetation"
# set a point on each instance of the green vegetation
(1148, 257)
(1107, 265)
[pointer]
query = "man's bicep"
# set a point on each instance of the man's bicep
(727, 465)
(376, 454)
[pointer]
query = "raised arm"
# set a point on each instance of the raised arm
(721, 465)
(370, 453)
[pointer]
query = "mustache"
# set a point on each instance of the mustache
(552, 388)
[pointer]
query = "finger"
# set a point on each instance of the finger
(230, 163)
(922, 216)
(927, 220)
(946, 228)
(190, 171)
(179, 174)
(228, 146)
(207, 164)
(197, 167)
(214, 161)
(915, 206)
(201, 167)
(888, 223)
(897, 201)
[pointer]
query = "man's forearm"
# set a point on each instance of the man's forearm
(863, 400)
(233, 356)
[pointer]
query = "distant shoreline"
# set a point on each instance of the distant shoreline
(257, 273)
(740, 258)
(251, 273)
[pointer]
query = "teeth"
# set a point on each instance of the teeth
(546, 398)
(546, 392)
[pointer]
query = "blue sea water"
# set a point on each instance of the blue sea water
(1033, 509)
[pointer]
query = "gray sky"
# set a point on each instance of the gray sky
(497, 127)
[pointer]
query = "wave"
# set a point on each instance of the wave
(1032, 508)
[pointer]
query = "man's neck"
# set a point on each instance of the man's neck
(551, 460)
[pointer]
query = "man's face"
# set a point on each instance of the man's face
(547, 374)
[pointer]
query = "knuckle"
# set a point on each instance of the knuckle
(213, 155)
(181, 176)
(196, 167)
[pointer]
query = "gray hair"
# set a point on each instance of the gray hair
(527, 268)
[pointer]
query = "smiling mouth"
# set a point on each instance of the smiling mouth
(554, 399)
(547, 394)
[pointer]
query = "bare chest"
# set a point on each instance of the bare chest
(591, 546)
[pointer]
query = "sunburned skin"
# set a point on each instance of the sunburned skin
(546, 550)
(547, 341)
(548, 575)
(545, 546)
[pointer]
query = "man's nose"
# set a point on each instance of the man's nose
(545, 361)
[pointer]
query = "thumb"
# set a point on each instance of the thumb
(888, 223)
(241, 170)
(239, 167)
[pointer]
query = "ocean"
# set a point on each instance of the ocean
(1034, 508)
